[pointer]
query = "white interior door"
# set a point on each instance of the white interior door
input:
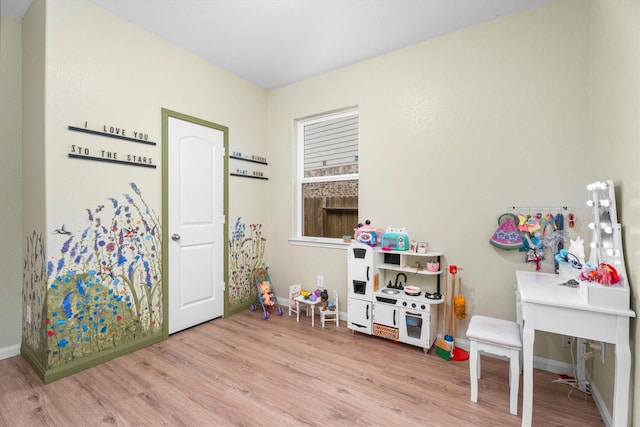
(196, 221)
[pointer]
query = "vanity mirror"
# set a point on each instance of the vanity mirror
(606, 277)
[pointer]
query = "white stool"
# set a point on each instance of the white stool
(499, 337)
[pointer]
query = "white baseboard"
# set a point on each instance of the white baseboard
(542, 363)
(602, 408)
(10, 351)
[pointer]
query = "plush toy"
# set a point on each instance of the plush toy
(265, 292)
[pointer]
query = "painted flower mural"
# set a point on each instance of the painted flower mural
(34, 281)
(246, 253)
(105, 288)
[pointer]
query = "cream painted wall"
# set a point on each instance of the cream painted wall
(103, 70)
(11, 183)
(452, 131)
(615, 148)
(33, 173)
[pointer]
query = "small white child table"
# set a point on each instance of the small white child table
(312, 304)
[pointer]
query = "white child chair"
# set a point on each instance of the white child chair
(331, 315)
(499, 337)
(294, 291)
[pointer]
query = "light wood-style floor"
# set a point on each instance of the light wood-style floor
(245, 371)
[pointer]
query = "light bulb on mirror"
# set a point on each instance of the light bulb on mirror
(590, 203)
(592, 226)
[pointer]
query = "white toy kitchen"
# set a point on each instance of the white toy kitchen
(394, 294)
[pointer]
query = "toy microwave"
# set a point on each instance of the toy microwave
(395, 239)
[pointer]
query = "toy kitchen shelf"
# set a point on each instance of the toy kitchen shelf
(403, 262)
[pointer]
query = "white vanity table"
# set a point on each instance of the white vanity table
(544, 305)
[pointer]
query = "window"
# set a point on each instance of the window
(328, 175)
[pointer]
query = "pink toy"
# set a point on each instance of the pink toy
(367, 233)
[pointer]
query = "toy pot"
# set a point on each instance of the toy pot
(433, 266)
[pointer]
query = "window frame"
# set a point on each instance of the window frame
(298, 237)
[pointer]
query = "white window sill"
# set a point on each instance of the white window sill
(319, 242)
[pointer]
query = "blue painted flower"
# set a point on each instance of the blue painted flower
(80, 286)
(66, 305)
(135, 188)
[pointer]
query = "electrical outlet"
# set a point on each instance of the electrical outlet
(320, 281)
(601, 352)
(28, 314)
(599, 346)
(567, 341)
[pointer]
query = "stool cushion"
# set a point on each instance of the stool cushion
(494, 331)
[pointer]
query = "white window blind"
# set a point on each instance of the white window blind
(331, 146)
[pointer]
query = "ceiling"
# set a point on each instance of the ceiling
(273, 43)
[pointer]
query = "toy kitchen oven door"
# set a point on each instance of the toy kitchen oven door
(361, 271)
(416, 327)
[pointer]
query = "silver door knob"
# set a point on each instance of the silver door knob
(175, 237)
